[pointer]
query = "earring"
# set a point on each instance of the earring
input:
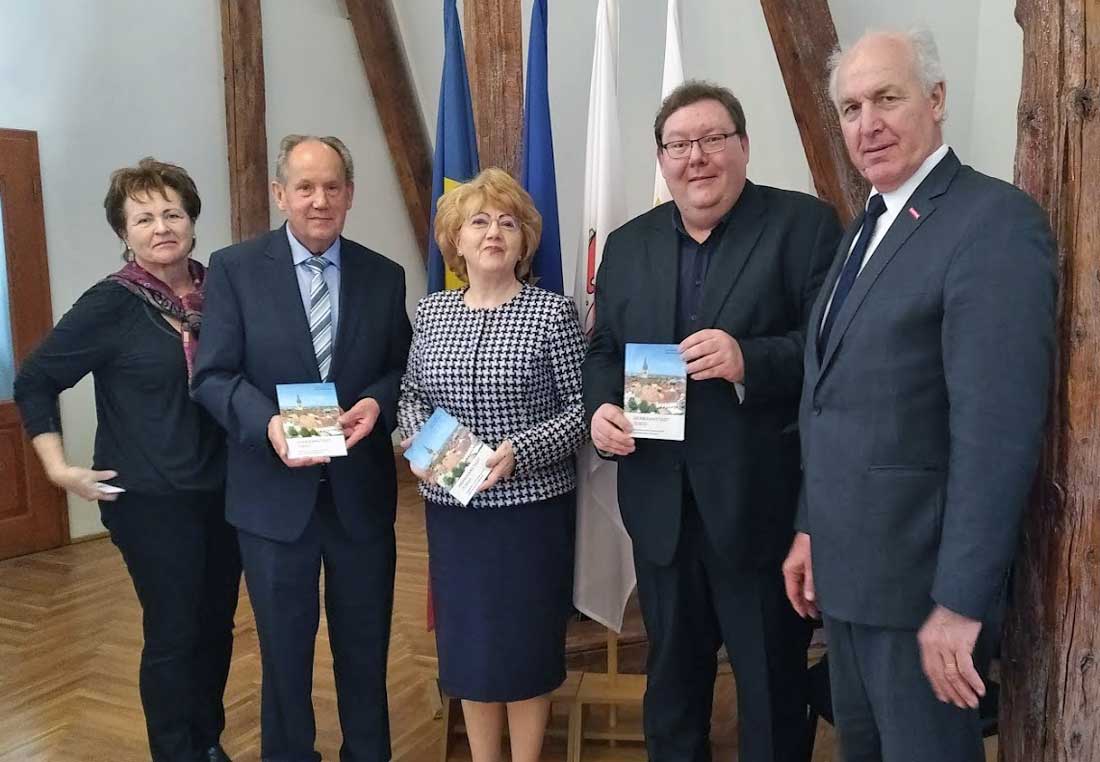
(128, 253)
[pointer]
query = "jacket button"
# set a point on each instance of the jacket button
(817, 410)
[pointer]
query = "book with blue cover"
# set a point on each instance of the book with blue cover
(311, 423)
(655, 391)
(451, 453)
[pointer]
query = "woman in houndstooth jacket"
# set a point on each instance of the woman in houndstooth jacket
(504, 358)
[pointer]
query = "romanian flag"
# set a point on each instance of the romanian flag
(455, 159)
(538, 174)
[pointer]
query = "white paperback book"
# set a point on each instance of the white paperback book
(451, 453)
(310, 415)
(655, 391)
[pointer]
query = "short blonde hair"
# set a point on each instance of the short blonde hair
(492, 186)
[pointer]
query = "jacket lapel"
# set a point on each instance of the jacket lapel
(906, 223)
(661, 269)
(352, 273)
(283, 282)
(743, 229)
(814, 325)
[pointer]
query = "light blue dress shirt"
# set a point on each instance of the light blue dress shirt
(305, 277)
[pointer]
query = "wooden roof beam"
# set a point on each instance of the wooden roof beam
(245, 118)
(391, 83)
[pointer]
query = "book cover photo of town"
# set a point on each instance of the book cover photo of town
(655, 390)
(451, 454)
(311, 423)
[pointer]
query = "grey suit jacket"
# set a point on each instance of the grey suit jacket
(922, 419)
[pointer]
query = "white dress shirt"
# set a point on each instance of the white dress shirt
(896, 201)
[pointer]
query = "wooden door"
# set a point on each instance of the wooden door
(33, 513)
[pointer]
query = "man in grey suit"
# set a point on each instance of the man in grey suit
(922, 414)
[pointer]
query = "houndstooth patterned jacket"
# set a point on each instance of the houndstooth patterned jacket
(510, 372)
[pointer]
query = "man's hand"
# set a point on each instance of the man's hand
(713, 353)
(419, 473)
(798, 577)
(359, 421)
(946, 643)
(611, 430)
(502, 463)
(277, 437)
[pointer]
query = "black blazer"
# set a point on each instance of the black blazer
(922, 421)
(742, 459)
(255, 335)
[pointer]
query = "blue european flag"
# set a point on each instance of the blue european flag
(538, 155)
(455, 159)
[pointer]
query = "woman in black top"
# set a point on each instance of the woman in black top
(136, 332)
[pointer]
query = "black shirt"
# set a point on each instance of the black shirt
(694, 260)
(148, 428)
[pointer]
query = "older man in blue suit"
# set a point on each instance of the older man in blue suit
(303, 304)
(922, 413)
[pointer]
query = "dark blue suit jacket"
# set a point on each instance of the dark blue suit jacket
(922, 420)
(255, 335)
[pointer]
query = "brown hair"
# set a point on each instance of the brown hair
(693, 91)
(492, 186)
(148, 176)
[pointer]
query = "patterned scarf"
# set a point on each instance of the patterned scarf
(153, 291)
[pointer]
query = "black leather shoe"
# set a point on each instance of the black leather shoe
(215, 754)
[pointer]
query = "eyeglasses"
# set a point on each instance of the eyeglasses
(679, 149)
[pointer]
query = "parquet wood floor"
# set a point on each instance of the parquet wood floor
(70, 639)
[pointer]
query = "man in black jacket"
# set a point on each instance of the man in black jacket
(728, 271)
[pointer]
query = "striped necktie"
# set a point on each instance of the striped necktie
(320, 314)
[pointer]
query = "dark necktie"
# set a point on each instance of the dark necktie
(875, 207)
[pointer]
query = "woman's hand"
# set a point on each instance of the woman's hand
(502, 462)
(419, 473)
(82, 481)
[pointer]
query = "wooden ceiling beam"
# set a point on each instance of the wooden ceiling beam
(804, 37)
(493, 36)
(1050, 679)
(245, 117)
(391, 84)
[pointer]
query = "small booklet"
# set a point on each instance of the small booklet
(310, 413)
(451, 453)
(655, 391)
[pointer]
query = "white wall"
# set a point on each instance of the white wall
(105, 84)
(108, 82)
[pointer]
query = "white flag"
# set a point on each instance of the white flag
(604, 567)
(673, 77)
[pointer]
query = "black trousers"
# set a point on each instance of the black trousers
(183, 559)
(883, 705)
(690, 608)
(283, 580)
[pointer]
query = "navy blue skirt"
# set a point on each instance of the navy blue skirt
(502, 587)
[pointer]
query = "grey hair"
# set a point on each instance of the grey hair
(926, 58)
(290, 142)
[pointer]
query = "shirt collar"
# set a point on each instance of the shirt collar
(678, 221)
(301, 253)
(896, 198)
